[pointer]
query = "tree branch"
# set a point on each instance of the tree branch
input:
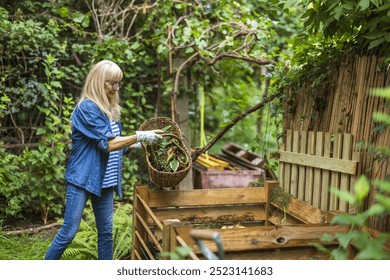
(31, 230)
(245, 58)
(195, 154)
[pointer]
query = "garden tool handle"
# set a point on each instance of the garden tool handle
(199, 235)
(203, 234)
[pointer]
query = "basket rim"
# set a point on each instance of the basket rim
(159, 118)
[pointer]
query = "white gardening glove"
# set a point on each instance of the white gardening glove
(148, 136)
(137, 146)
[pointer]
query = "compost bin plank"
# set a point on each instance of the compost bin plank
(282, 218)
(303, 211)
(149, 232)
(144, 246)
(150, 212)
(301, 253)
(136, 256)
(141, 192)
(272, 237)
(218, 214)
(203, 197)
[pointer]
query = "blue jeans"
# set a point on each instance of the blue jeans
(103, 208)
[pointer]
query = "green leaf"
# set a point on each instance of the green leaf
(385, 201)
(347, 219)
(326, 237)
(362, 188)
(166, 128)
(383, 185)
(338, 12)
(344, 239)
(364, 4)
(343, 195)
(381, 117)
(55, 84)
(41, 131)
(289, 4)
(339, 254)
(375, 210)
(183, 251)
(63, 12)
(174, 164)
(373, 251)
(78, 17)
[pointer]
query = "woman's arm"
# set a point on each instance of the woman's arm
(121, 142)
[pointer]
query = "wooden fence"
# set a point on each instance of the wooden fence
(313, 162)
(345, 105)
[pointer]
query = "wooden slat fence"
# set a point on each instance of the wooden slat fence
(313, 162)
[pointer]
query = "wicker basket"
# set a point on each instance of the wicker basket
(162, 178)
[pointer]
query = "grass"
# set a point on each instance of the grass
(83, 247)
(25, 247)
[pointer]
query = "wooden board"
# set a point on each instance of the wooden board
(304, 253)
(273, 237)
(220, 214)
(303, 211)
(203, 197)
(327, 163)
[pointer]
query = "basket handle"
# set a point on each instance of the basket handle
(170, 135)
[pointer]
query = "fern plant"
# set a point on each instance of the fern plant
(84, 245)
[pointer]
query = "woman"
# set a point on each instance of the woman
(94, 167)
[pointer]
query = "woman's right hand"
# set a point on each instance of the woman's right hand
(149, 136)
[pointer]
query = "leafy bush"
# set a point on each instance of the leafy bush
(35, 179)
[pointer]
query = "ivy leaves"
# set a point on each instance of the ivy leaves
(364, 22)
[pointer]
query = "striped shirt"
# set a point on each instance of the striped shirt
(111, 176)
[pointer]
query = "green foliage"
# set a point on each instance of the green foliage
(150, 43)
(34, 179)
(180, 253)
(84, 245)
(364, 22)
(13, 189)
(4, 100)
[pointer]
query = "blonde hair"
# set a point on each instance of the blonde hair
(93, 89)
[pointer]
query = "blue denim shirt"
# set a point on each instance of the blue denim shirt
(87, 163)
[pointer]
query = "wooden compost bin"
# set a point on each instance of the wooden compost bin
(162, 221)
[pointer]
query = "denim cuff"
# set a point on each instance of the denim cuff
(103, 144)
